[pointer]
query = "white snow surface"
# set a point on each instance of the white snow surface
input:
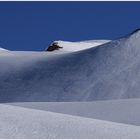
(48, 93)
(121, 111)
(109, 71)
(68, 46)
(17, 122)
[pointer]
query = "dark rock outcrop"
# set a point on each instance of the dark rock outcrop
(53, 46)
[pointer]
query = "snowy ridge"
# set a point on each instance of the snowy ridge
(5, 52)
(67, 46)
(109, 71)
(2, 49)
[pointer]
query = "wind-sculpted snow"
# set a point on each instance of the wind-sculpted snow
(106, 70)
(109, 71)
(121, 111)
(17, 122)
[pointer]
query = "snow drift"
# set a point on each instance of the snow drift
(124, 111)
(18, 122)
(109, 71)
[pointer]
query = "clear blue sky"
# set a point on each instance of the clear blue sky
(34, 25)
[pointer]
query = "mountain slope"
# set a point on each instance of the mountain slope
(121, 111)
(17, 122)
(109, 71)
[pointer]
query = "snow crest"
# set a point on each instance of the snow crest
(66, 46)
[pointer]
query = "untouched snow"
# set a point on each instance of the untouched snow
(122, 111)
(17, 122)
(77, 46)
(43, 83)
(109, 71)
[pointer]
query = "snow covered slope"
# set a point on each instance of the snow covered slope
(17, 122)
(66, 46)
(109, 71)
(122, 111)
(2, 49)
(81, 73)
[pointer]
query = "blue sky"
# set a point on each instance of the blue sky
(34, 25)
